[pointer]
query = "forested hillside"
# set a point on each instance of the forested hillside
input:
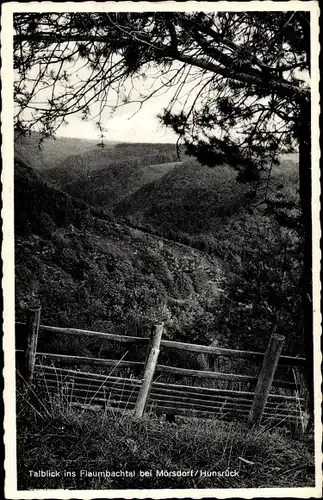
(106, 175)
(89, 272)
(190, 198)
(99, 173)
(208, 209)
(194, 199)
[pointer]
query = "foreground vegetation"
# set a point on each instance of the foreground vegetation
(57, 436)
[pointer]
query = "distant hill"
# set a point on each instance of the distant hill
(105, 176)
(195, 199)
(190, 198)
(52, 151)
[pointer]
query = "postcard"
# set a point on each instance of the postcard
(161, 258)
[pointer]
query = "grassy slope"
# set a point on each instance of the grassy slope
(68, 438)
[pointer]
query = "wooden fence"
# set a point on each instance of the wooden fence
(146, 394)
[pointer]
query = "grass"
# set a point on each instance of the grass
(116, 451)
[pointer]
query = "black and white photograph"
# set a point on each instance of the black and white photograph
(161, 264)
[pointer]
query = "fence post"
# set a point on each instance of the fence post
(32, 326)
(265, 378)
(150, 365)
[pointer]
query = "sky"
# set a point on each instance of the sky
(124, 125)
(128, 122)
(131, 122)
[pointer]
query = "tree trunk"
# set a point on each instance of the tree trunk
(305, 180)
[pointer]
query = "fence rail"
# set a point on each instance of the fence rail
(174, 370)
(146, 394)
(171, 344)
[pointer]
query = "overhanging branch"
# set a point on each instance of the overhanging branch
(281, 87)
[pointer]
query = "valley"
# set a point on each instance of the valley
(103, 242)
(173, 241)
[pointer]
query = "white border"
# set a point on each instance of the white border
(8, 244)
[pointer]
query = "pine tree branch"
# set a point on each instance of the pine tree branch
(282, 87)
